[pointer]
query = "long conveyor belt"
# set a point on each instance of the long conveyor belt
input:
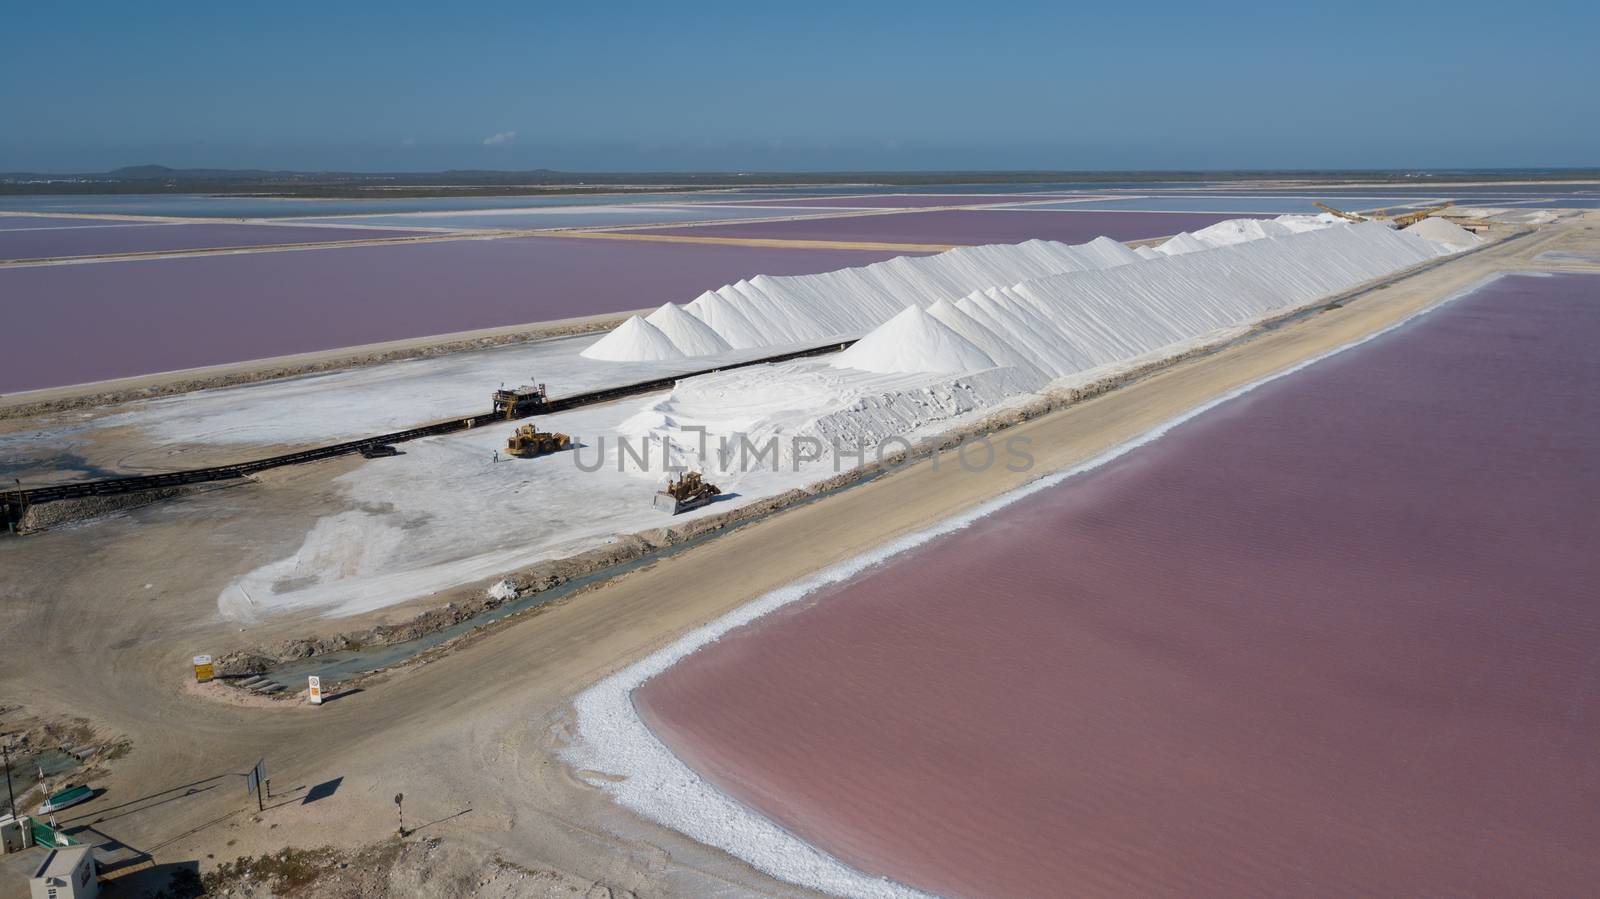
(134, 484)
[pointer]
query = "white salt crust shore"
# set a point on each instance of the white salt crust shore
(611, 739)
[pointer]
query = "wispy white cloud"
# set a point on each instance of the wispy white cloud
(503, 137)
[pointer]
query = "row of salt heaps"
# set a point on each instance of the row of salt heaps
(814, 309)
(927, 364)
(1065, 324)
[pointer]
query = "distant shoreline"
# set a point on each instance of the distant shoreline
(159, 181)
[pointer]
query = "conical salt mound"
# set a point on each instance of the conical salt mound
(913, 341)
(998, 348)
(690, 335)
(727, 320)
(1444, 231)
(1107, 253)
(1235, 231)
(635, 340)
(1182, 243)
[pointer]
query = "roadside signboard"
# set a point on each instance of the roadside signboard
(314, 689)
(256, 783)
(203, 671)
(256, 777)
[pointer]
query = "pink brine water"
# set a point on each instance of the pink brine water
(1338, 636)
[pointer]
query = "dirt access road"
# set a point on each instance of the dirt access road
(471, 737)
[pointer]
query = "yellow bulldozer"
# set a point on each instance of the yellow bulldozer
(688, 491)
(528, 441)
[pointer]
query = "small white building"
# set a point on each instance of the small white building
(15, 834)
(66, 873)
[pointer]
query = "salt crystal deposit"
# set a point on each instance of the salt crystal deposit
(1308, 222)
(690, 335)
(975, 339)
(720, 423)
(1444, 231)
(1241, 230)
(930, 365)
(815, 309)
(913, 341)
(1178, 244)
(841, 305)
(1001, 349)
(1080, 321)
(1234, 231)
(635, 340)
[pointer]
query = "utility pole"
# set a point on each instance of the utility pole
(5, 751)
(12, 526)
(401, 811)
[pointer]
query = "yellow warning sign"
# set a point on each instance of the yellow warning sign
(203, 672)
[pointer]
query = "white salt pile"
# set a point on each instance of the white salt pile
(635, 340)
(815, 309)
(928, 364)
(1241, 230)
(1002, 350)
(914, 341)
(1234, 231)
(1181, 243)
(924, 367)
(720, 423)
(1309, 222)
(1072, 323)
(992, 322)
(1444, 231)
(690, 335)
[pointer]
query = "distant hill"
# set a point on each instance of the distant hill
(157, 179)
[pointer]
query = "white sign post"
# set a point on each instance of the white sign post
(314, 689)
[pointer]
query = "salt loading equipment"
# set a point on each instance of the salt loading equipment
(689, 491)
(529, 399)
(508, 404)
(528, 441)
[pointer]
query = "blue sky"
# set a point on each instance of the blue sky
(750, 86)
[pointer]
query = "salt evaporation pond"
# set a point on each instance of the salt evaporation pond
(42, 222)
(1560, 203)
(155, 238)
(1334, 636)
(1229, 204)
(967, 227)
(207, 206)
(163, 314)
(908, 201)
(572, 217)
